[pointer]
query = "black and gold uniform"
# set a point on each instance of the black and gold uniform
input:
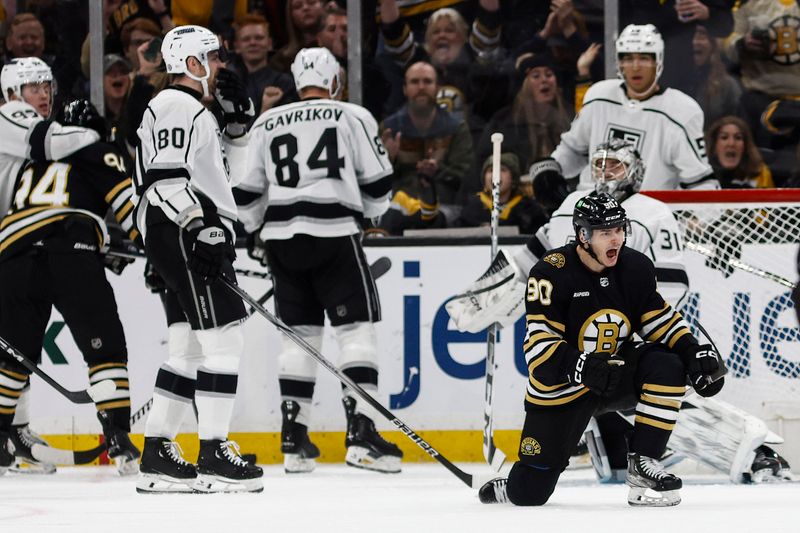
(49, 243)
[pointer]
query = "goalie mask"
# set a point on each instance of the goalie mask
(316, 67)
(598, 211)
(617, 169)
(184, 42)
(23, 71)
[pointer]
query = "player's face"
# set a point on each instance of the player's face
(607, 244)
(214, 64)
(40, 96)
(729, 147)
(607, 169)
(639, 71)
(542, 84)
(253, 43)
(444, 41)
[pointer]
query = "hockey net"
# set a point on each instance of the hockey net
(740, 248)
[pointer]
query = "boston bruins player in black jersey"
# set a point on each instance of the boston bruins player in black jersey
(49, 244)
(584, 303)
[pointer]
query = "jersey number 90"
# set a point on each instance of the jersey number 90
(283, 151)
(539, 290)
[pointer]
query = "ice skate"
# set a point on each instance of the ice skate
(494, 491)
(768, 467)
(23, 440)
(120, 448)
(365, 446)
(651, 485)
(164, 469)
(6, 455)
(299, 453)
(220, 468)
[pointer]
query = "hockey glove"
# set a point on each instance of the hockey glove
(257, 248)
(600, 372)
(152, 279)
(236, 104)
(210, 248)
(115, 263)
(701, 361)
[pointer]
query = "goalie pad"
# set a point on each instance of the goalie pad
(498, 296)
(719, 435)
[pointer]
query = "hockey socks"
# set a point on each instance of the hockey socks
(214, 396)
(172, 400)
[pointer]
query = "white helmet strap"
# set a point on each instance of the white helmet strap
(202, 79)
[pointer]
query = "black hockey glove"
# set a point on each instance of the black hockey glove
(115, 263)
(702, 362)
(257, 248)
(600, 372)
(152, 279)
(236, 104)
(210, 248)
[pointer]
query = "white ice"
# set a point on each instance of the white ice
(425, 497)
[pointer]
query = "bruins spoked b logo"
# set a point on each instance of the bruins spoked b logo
(603, 331)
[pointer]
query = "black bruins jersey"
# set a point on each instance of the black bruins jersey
(571, 309)
(87, 184)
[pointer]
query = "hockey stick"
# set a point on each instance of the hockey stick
(741, 265)
(493, 455)
(127, 254)
(466, 478)
(60, 456)
(97, 392)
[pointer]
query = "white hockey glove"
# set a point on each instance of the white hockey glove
(237, 106)
(497, 296)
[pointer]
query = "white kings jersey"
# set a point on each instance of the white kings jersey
(181, 162)
(654, 232)
(24, 134)
(314, 167)
(666, 129)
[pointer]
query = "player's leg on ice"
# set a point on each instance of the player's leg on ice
(24, 439)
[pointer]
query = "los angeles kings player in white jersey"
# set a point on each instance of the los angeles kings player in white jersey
(185, 213)
(315, 168)
(664, 125)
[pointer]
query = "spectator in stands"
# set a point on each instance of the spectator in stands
(148, 80)
(116, 84)
(120, 13)
(472, 83)
(716, 91)
(266, 86)
(333, 34)
(406, 212)
(734, 157)
(135, 34)
(423, 139)
(550, 189)
(216, 15)
(416, 13)
(764, 44)
(303, 23)
(515, 209)
(532, 125)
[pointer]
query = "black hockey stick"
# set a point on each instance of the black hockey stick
(60, 456)
(466, 478)
(97, 392)
(127, 254)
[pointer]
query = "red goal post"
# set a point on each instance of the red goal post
(740, 250)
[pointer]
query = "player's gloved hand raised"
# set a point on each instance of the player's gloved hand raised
(701, 361)
(600, 372)
(210, 248)
(257, 248)
(237, 106)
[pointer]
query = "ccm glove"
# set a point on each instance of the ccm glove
(701, 361)
(236, 105)
(210, 248)
(600, 372)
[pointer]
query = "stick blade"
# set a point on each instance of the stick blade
(380, 267)
(496, 458)
(102, 390)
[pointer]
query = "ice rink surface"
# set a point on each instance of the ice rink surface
(425, 497)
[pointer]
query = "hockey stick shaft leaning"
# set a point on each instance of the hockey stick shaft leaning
(493, 455)
(96, 392)
(125, 254)
(466, 478)
(741, 265)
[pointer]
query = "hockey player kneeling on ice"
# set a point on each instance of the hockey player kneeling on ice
(185, 166)
(315, 168)
(584, 303)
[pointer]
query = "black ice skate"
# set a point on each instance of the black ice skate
(494, 491)
(299, 453)
(6, 456)
(365, 447)
(120, 448)
(220, 468)
(24, 440)
(768, 467)
(163, 468)
(650, 484)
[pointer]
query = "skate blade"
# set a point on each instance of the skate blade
(208, 483)
(22, 466)
(644, 497)
(359, 457)
(126, 466)
(293, 463)
(163, 484)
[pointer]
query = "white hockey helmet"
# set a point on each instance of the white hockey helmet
(183, 42)
(21, 71)
(316, 67)
(641, 39)
(617, 169)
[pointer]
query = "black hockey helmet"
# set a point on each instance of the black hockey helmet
(82, 113)
(598, 211)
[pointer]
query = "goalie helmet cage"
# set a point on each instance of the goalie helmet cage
(740, 250)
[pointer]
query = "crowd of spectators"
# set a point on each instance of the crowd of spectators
(441, 80)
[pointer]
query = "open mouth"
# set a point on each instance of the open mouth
(612, 254)
(118, 84)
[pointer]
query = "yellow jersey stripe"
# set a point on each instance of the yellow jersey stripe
(655, 423)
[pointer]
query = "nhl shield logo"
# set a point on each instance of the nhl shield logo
(341, 311)
(530, 446)
(97, 343)
(604, 282)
